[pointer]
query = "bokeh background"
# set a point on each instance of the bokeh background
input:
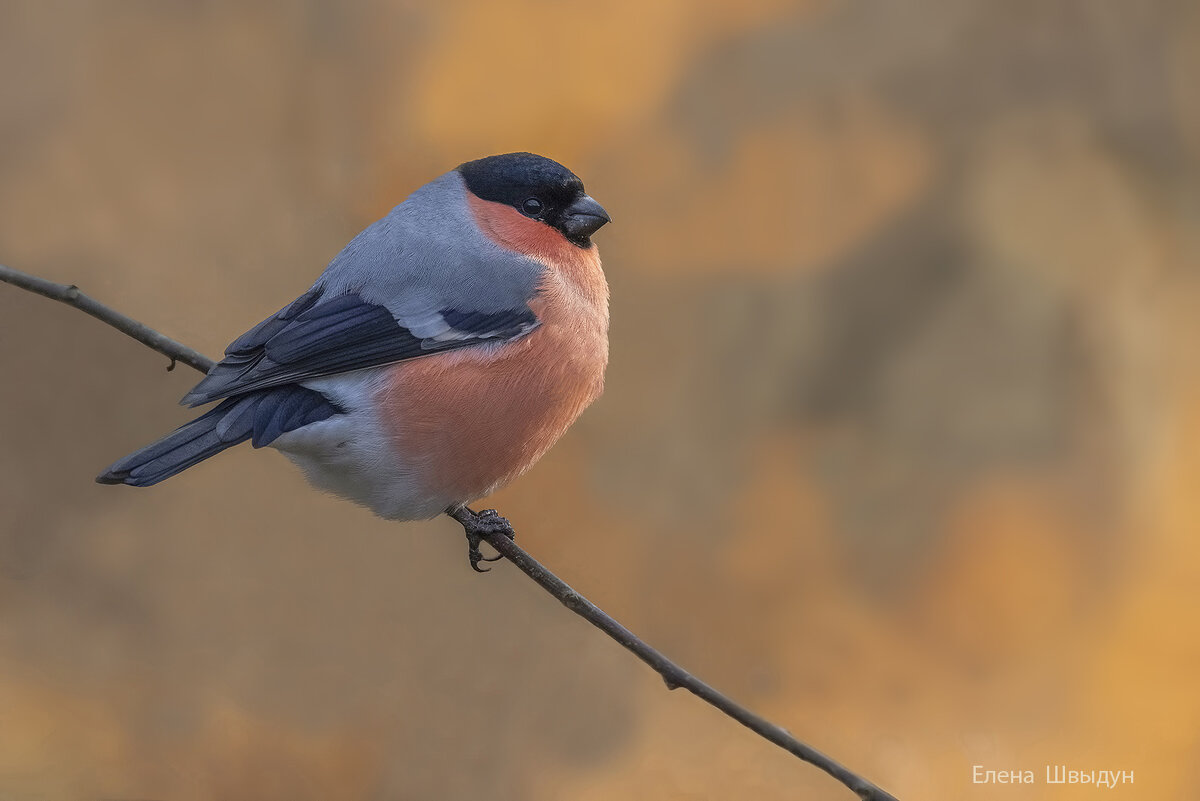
(900, 443)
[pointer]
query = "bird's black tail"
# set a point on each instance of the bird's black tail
(257, 416)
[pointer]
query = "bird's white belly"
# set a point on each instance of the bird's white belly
(351, 455)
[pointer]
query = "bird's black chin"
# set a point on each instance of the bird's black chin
(581, 219)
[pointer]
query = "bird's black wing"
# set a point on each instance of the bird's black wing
(318, 336)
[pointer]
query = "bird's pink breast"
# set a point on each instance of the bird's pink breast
(472, 420)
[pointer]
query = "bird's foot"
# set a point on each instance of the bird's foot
(478, 526)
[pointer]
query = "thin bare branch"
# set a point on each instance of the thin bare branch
(673, 675)
(70, 295)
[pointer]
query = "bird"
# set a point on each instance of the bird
(436, 358)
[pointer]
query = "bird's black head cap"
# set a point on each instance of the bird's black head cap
(539, 188)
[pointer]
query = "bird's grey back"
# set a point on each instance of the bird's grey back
(428, 255)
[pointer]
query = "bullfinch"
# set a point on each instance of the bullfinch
(436, 358)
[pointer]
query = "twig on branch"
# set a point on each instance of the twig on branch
(673, 675)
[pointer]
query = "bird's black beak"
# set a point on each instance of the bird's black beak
(583, 218)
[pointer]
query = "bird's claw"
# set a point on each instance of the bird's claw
(474, 556)
(478, 526)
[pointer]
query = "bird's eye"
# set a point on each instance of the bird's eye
(532, 206)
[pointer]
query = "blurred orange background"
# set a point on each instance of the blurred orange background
(899, 445)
